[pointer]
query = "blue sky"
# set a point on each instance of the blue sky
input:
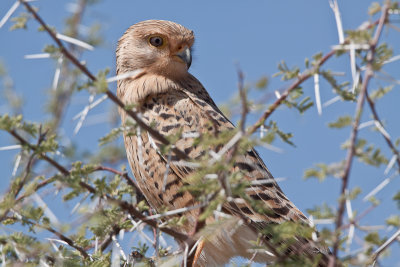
(257, 36)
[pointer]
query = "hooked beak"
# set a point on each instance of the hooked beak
(186, 57)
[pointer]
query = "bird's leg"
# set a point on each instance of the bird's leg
(199, 248)
(198, 226)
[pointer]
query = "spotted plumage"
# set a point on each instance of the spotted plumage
(173, 102)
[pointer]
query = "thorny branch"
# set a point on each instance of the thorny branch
(110, 94)
(353, 136)
(63, 96)
(27, 171)
(62, 100)
(385, 246)
(387, 139)
(124, 175)
(302, 78)
(64, 238)
(122, 204)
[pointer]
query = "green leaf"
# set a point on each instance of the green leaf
(379, 93)
(274, 130)
(341, 122)
(292, 100)
(51, 49)
(20, 21)
(363, 36)
(397, 142)
(367, 153)
(382, 54)
(373, 238)
(396, 198)
(322, 170)
(111, 136)
(393, 220)
(100, 83)
(354, 193)
(374, 8)
(322, 212)
(262, 83)
(339, 89)
(316, 58)
(286, 72)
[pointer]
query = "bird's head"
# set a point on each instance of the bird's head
(157, 47)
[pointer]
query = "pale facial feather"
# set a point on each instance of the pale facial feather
(135, 52)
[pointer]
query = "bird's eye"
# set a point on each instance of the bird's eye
(156, 41)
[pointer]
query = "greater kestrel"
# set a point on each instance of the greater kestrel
(173, 102)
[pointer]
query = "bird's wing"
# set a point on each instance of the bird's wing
(190, 112)
(263, 187)
(184, 114)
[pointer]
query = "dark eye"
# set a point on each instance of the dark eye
(156, 41)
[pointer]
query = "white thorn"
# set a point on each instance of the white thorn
(392, 59)
(96, 245)
(47, 212)
(74, 41)
(335, 7)
(352, 46)
(272, 147)
(121, 252)
(366, 124)
(195, 245)
(115, 254)
(355, 82)
(16, 165)
(262, 130)
(83, 116)
(57, 73)
(390, 164)
(58, 241)
(390, 240)
(317, 94)
(37, 56)
(211, 176)
(3, 148)
(90, 106)
(353, 62)
(129, 74)
(173, 212)
(331, 101)
(379, 187)
(9, 13)
(381, 129)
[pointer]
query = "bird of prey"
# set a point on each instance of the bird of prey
(156, 56)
